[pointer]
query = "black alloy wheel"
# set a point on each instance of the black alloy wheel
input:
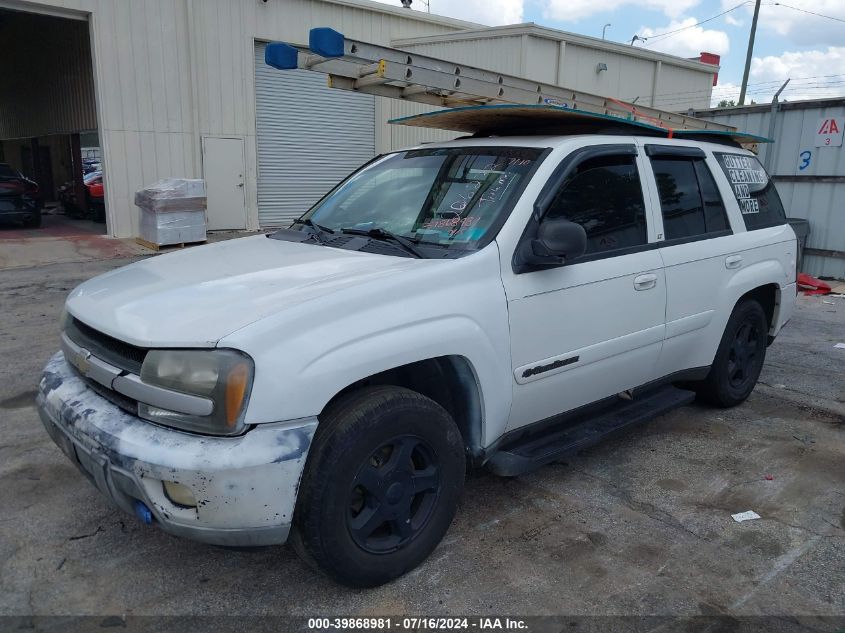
(393, 495)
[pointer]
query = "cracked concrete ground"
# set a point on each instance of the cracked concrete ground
(638, 525)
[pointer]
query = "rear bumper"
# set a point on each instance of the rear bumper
(245, 486)
(784, 310)
(13, 212)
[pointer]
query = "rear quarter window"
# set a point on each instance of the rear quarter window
(755, 192)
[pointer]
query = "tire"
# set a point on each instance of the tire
(366, 515)
(739, 359)
(34, 222)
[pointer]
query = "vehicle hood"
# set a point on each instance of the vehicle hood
(197, 296)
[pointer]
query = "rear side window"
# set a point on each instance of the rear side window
(604, 195)
(689, 198)
(754, 190)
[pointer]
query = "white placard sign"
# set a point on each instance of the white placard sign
(829, 131)
(745, 174)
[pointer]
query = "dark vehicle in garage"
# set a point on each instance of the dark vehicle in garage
(20, 198)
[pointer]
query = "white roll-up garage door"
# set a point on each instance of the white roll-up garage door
(309, 137)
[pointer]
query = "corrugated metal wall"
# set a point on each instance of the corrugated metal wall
(542, 55)
(47, 76)
(309, 138)
(810, 179)
(168, 72)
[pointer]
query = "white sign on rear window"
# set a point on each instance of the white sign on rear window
(745, 174)
(829, 132)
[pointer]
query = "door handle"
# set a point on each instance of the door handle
(734, 261)
(645, 282)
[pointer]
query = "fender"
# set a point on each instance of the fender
(768, 271)
(307, 353)
(453, 335)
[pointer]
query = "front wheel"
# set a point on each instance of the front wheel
(739, 359)
(381, 486)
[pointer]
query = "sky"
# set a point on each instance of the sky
(790, 43)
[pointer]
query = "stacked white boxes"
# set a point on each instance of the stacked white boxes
(173, 211)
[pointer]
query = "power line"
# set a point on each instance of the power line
(760, 86)
(659, 36)
(820, 15)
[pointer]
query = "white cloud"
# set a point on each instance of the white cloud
(573, 10)
(724, 92)
(688, 43)
(814, 74)
(488, 12)
(797, 27)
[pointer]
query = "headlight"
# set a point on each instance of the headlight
(224, 376)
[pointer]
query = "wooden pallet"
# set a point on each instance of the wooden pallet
(165, 247)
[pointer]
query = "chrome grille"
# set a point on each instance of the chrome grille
(120, 354)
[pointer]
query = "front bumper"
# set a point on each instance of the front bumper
(245, 486)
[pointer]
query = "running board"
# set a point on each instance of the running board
(534, 451)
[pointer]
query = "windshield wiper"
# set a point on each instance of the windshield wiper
(317, 230)
(378, 233)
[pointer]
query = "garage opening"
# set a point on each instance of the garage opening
(51, 168)
(309, 137)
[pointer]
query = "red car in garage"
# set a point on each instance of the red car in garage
(96, 195)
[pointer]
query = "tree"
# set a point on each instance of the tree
(724, 103)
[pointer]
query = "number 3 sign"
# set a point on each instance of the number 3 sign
(829, 132)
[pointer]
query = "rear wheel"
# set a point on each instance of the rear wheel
(381, 486)
(739, 359)
(34, 222)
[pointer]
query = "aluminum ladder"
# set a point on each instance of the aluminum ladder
(389, 72)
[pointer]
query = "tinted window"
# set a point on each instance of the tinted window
(604, 196)
(715, 216)
(7, 172)
(755, 192)
(689, 198)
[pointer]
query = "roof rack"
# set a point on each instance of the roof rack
(484, 102)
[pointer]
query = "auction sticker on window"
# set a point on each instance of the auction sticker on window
(746, 176)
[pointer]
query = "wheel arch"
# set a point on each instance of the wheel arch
(769, 297)
(450, 381)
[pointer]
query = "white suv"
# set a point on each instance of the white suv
(494, 302)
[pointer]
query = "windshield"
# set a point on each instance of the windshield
(446, 197)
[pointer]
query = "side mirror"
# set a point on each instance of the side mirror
(558, 242)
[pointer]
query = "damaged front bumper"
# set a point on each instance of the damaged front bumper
(245, 487)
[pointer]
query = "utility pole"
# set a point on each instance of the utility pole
(749, 53)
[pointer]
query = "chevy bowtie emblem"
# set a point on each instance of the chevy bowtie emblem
(80, 359)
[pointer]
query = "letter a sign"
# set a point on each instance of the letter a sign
(829, 132)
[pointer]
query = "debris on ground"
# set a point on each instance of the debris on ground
(812, 286)
(748, 515)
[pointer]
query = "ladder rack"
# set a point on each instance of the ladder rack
(388, 72)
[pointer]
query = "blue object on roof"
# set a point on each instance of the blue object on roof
(280, 55)
(326, 42)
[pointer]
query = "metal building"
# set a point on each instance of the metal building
(179, 88)
(807, 163)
